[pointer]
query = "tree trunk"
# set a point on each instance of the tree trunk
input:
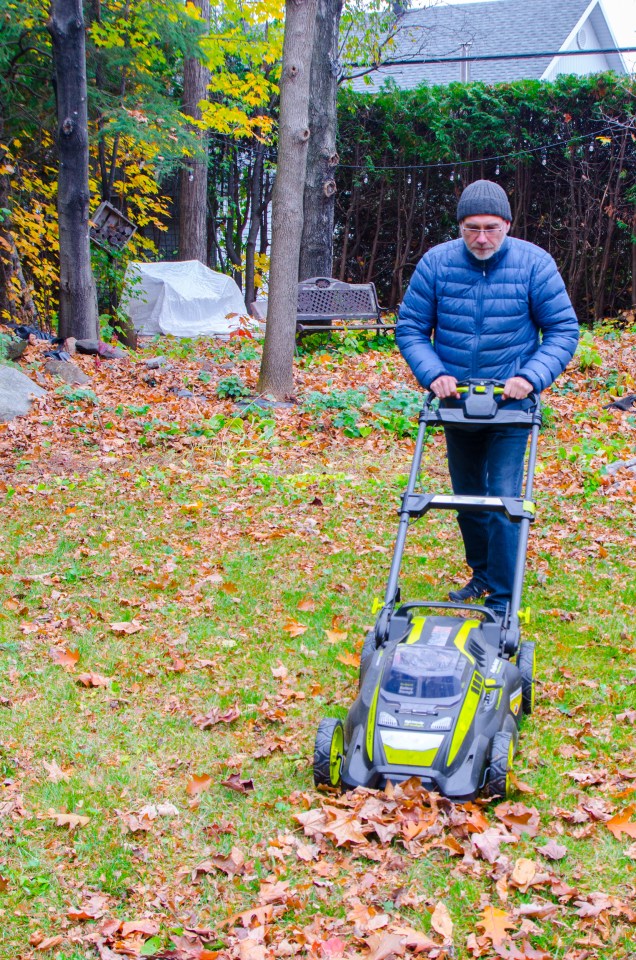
(276, 376)
(376, 235)
(609, 205)
(78, 296)
(193, 193)
(259, 199)
(316, 249)
(235, 221)
(11, 269)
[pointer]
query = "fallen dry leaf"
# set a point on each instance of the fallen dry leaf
(306, 605)
(629, 716)
(232, 865)
(93, 680)
(293, 628)
(306, 852)
(92, 908)
(384, 945)
(216, 715)
(488, 843)
(148, 927)
(49, 943)
(441, 921)
(333, 948)
(588, 778)
(415, 940)
(250, 949)
(152, 811)
(553, 850)
(234, 782)
(523, 873)
(534, 953)
(495, 924)
(537, 911)
(191, 507)
(622, 823)
(349, 659)
(70, 820)
(518, 818)
(136, 822)
(178, 665)
(199, 784)
(336, 636)
(55, 772)
(520, 785)
(64, 657)
(127, 626)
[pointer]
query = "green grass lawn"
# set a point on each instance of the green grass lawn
(224, 567)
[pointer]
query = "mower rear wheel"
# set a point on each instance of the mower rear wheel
(526, 665)
(328, 753)
(503, 748)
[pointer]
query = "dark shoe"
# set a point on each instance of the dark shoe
(472, 591)
(499, 612)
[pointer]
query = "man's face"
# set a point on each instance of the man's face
(484, 234)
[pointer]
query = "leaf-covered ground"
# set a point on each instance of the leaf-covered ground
(185, 586)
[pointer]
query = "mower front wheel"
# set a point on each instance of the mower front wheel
(526, 666)
(503, 748)
(328, 753)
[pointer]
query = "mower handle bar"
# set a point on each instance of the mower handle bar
(479, 404)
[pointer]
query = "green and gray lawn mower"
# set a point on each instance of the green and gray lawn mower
(442, 693)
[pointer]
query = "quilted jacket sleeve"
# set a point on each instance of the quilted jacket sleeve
(416, 323)
(554, 315)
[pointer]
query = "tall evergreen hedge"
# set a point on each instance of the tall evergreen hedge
(565, 152)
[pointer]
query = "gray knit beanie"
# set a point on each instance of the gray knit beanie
(481, 198)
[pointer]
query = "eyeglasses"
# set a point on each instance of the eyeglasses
(475, 231)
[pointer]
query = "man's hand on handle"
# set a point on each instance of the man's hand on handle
(516, 388)
(445, 387)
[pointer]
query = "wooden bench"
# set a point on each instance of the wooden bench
(321, 300)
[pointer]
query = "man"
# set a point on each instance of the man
(474, 309)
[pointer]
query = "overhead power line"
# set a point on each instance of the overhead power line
(492, 56)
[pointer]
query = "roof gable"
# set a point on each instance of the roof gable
(491, 27)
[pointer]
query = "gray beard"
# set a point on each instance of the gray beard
(485, 255)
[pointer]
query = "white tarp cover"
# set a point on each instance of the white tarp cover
(184, 299)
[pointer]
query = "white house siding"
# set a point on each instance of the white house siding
(593, 63)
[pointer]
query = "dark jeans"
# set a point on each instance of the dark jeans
(487, 461)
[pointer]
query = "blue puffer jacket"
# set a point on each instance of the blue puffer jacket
(484, 316)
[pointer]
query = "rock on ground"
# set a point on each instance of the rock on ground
(16, 391)
(87, 346)
(15, 348)
(66, 371)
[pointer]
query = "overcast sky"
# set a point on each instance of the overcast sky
(622, 18)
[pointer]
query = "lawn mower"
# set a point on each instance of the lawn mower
(441, 694)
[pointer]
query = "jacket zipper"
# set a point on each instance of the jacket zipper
(478, 326)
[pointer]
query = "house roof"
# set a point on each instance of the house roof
(493, 27)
